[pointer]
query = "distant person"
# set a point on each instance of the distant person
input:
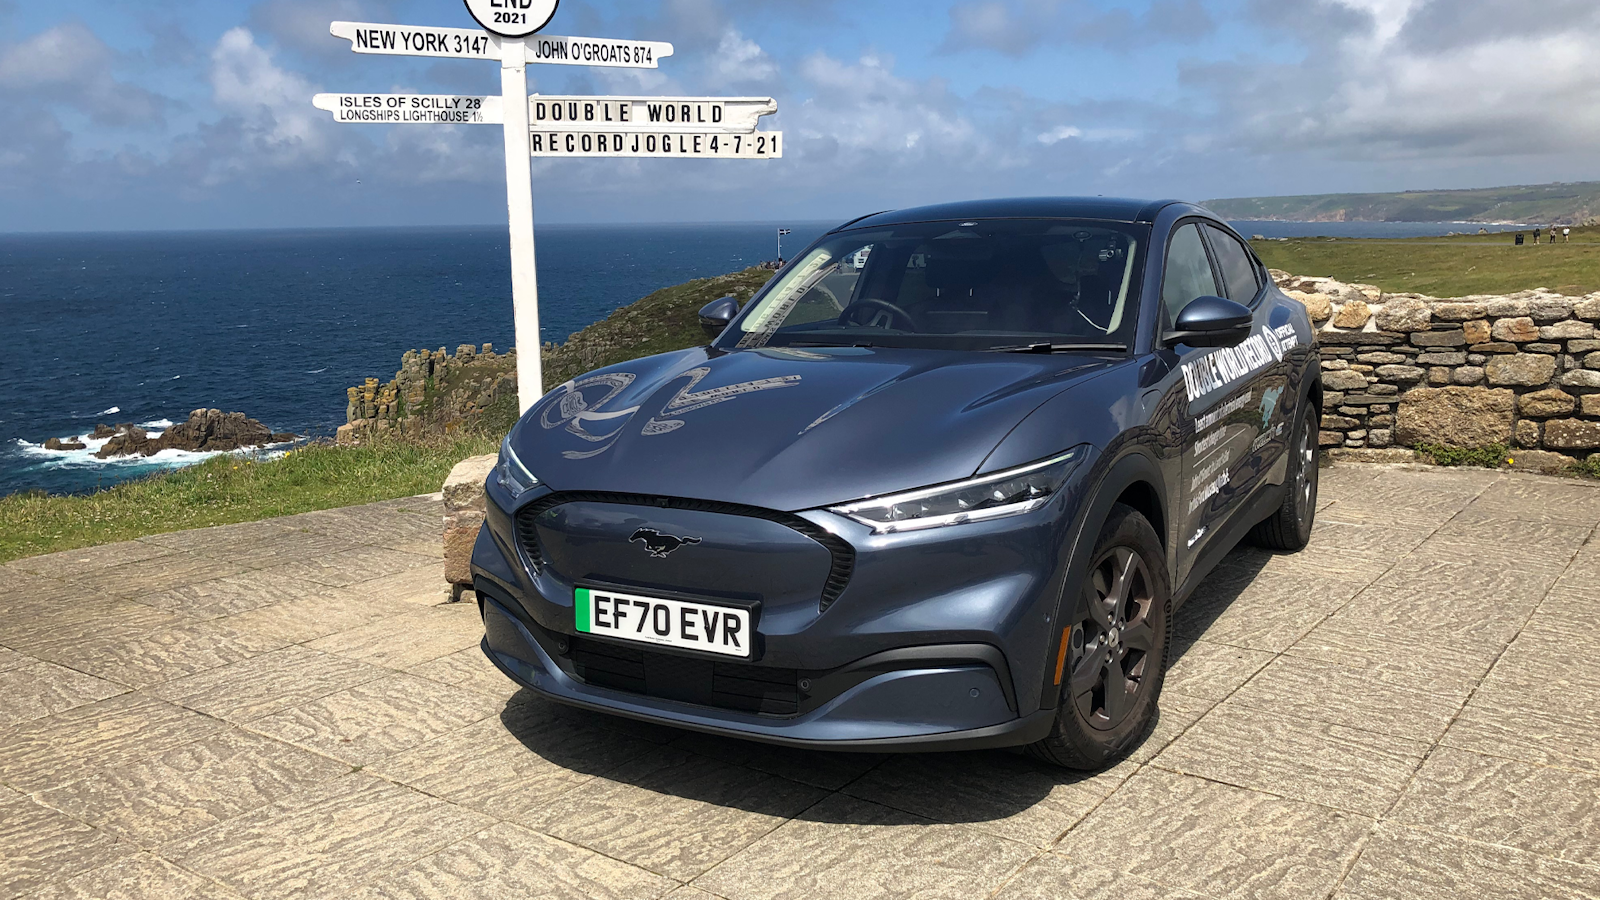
(1566, 233)
(1536, 232)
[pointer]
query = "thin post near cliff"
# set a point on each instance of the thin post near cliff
(620, 127)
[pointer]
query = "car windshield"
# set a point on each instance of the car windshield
(998, 284)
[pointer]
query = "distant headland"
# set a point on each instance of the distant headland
(1544, 204)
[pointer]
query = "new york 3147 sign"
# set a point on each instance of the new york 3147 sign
(513, 18)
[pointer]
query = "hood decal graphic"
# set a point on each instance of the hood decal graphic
(687, 400)
(578, 406)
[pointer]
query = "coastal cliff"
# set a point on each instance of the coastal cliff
(475, 390)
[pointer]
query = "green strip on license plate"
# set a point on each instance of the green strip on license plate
(582, 607)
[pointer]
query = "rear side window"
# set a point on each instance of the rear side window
(1188, 273)
(1238, 269)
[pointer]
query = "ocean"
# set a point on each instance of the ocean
(144, 328)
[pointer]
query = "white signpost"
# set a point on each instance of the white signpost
(622, 127)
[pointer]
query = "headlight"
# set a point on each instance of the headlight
(510, 474)
(1009, 493)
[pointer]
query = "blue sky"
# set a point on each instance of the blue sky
(189, 114)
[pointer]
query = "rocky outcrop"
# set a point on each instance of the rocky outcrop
(1521, 370)
(433, 393)
(61, 445)
(206, 431)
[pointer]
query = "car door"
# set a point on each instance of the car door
(1244, 282)
(1220, 386)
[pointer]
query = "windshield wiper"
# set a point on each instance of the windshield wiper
(829, 344)
(1060, 348)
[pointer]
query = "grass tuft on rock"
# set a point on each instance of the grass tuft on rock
(1494, 456)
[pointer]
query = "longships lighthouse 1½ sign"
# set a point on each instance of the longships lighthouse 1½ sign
(549, 126)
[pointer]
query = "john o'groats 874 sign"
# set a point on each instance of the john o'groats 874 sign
(513, 18)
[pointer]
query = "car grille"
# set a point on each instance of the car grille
(707, 682)
(844, 555)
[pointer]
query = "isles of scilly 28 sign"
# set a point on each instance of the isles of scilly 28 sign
(513, 18)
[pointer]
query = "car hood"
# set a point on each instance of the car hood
(787, 428)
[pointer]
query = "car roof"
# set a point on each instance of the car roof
(1113, 209)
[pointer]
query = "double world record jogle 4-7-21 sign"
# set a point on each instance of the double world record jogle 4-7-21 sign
(640, 127)
(668, 146)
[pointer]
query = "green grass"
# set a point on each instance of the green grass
(1445, 266)
(225, 490)
(1493, 456)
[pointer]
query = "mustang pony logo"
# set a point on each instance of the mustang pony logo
(660, 545)
(576, 408)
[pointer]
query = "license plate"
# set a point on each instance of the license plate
(670, 623)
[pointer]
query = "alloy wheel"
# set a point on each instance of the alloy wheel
(1308, 470)
(1113, 650)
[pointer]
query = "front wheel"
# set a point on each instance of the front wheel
(1116, 648)
(1290, 527)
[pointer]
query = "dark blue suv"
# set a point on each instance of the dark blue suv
(940, 484)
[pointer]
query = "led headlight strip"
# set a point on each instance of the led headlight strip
(1009, 493)
(511, 474)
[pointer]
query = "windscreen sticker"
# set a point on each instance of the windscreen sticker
(1226, 366)
(764, 323)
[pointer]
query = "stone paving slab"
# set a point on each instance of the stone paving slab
(291, 709)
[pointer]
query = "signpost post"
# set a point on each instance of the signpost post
(541, 126)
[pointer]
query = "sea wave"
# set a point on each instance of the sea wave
(40, 458)
(112, 411)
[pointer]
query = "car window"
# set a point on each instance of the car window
(990, 284)
(1188, 272)
(1238, 269)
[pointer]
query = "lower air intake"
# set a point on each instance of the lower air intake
(733, 686)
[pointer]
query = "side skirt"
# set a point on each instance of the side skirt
(1262, 505)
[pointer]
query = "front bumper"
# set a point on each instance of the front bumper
(938, 707)
(938, 640)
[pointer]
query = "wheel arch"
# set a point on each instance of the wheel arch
(1135, 476)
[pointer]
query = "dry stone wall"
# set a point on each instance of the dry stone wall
(1402, 370)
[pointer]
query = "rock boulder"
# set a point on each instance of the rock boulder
(1455, 416)
(464, 508)
(206, 431)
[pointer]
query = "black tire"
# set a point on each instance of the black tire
(1289, 528)
(1119, 636)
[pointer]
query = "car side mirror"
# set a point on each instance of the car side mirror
(1211, 322)
(715, 316)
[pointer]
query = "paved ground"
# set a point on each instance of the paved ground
(1410, 709)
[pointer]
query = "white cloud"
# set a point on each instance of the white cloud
(273, 124)
(1019, 27)
(69, 64)
(1058, 134)
(1388, 86)
(739, 59)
